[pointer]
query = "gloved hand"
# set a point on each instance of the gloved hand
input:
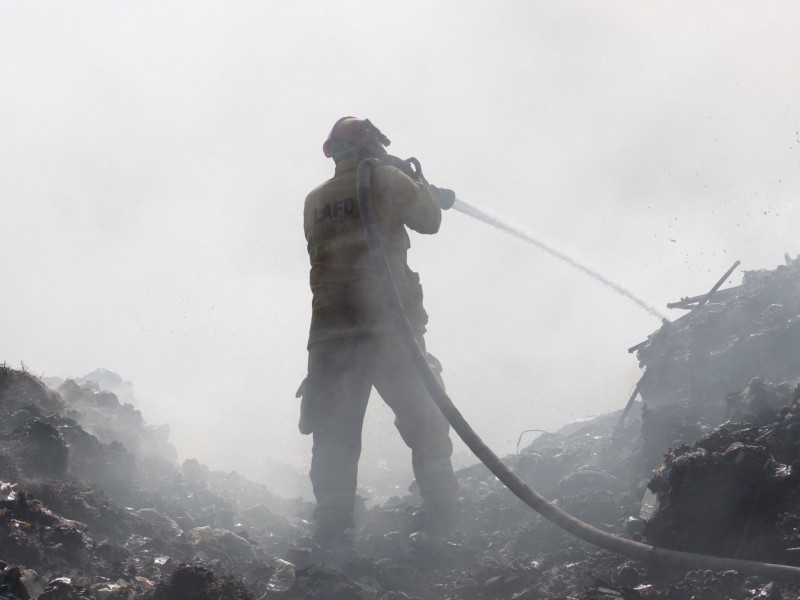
(445, 197)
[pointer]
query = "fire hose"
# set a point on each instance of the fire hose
(645, 553)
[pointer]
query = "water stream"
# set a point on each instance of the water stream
(475, 213)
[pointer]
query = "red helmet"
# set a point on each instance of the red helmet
(359, 131)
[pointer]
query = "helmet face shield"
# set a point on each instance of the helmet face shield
(360, 132)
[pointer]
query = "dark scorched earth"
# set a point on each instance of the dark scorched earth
(94, 504)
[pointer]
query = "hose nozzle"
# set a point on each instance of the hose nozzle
(445, 197)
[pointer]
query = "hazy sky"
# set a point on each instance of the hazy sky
(154, 158)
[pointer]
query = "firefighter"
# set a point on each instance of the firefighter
(353, 346)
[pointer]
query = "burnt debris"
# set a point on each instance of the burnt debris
(95, 505)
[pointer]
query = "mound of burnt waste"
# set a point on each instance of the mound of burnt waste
(696, 365)
(727, 338)
(93, 505)
(736, 491)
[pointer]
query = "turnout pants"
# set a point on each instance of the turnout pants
(341, 374)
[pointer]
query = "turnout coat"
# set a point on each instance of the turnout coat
(348, 298)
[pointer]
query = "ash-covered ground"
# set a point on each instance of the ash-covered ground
(94, 505)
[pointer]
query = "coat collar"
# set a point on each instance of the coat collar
(347, 165)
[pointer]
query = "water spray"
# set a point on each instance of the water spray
(475, 213)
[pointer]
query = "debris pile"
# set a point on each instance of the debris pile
(696, 365)
(85, 518)
(725, 340)
(735, 491)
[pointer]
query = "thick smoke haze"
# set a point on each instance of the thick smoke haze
(154, 158)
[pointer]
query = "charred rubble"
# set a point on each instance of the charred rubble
(720, 393)
(696, 366)
(95, 505)
(720, 390)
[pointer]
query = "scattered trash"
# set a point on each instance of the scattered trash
(283, 578)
